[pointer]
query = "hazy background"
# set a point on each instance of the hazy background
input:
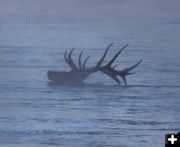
(85, 23)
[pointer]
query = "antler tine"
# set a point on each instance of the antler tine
(85, 61)
(112, 74)
(66, 59)
(80, 64)
(114, 66)
(73, 65)
(123, 73)
(104, 55)
(135, 65)
(116, 55)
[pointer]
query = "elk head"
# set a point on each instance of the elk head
(80, 72)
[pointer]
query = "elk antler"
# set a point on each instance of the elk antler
(98, 66)
(113, 73)
(81, 72)
(69, 60)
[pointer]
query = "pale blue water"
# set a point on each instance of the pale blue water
(33, 37)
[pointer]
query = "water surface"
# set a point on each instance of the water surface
(33, 38)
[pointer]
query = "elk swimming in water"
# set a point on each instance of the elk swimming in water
(80, 72)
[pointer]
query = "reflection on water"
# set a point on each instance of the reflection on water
(36, 113)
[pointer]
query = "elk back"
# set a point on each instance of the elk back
(64, 77)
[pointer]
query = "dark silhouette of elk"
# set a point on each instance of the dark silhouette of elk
(80, 72)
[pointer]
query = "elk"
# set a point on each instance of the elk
(79, 72)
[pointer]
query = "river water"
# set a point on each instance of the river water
(37, 113)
